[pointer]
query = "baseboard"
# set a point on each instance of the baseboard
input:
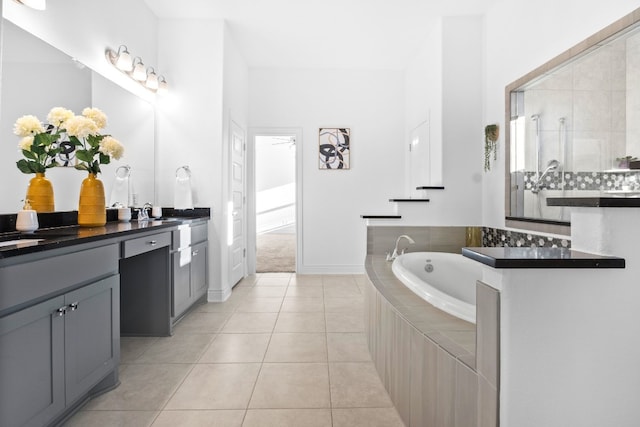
(218, 295)
(331, 269)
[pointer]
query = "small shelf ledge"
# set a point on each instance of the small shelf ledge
(380, 216)
(409, 200)
(427, 187)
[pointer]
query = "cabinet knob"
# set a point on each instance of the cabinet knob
(73, 306)
(194, 253)
(61, 311)
(153, 242)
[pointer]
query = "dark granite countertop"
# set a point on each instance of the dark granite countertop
(68, 235)
(595, 202)
(510, 257)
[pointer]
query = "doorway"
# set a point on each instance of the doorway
(275, 200)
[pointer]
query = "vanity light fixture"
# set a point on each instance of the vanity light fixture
(34, 4)
(152, 79)
(163, 86)
(139, 73)
(136, 70)
(123, 59)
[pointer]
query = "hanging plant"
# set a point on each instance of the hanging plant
(491, 134)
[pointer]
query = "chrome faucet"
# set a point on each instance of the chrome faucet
(143, 214)
(395, 253)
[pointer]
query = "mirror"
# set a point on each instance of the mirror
(572, 123)
(37, 77)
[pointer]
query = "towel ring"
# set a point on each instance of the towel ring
(186, 170)
(126, 169)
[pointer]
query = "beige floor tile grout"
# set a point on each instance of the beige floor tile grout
(329, 285)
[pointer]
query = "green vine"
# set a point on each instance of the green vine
(491, 134)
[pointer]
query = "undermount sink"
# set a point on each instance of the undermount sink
(20, 242)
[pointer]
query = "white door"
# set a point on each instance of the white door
(237, 209)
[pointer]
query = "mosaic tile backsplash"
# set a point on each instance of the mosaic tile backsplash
(603, 181)
(495, 237)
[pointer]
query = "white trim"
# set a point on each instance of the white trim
(331, 269)
(218, 295)
(251, 192)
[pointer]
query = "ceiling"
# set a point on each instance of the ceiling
(370, 34)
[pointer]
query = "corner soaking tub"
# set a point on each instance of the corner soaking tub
(445, 280)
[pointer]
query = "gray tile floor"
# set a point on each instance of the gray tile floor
(284, 350)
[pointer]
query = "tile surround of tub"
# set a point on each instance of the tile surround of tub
(419, 351)
(382, 239)
(427, 384)
(497, 237)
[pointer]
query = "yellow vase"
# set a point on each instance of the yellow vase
(92, 211)
(40, 194)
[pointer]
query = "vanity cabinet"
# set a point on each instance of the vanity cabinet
(55, 351)
(145, 286)
(189, 279)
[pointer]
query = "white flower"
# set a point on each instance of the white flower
(111, 147)
(58, 116)
(26, 143)
(98, 117)
(81, 127)
(27, 125)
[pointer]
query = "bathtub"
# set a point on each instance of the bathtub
(450, 283)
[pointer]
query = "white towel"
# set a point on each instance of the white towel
(185, 236)
(182, 197)
(120, 191)
(185, 256)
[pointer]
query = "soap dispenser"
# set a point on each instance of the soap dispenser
(27, 218)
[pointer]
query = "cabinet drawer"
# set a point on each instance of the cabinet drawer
(199, 233)
(28, 281)
(148, 243)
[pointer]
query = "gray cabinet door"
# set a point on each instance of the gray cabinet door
(181, 286)
(92, 335)
(32, 365)
(199, 283)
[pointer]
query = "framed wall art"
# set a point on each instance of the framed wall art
(334, 148)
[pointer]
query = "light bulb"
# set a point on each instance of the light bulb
(139, 72)
(163, 86)
(152, 81)
(124, 62)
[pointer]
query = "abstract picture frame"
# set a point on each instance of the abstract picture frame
(334, 148)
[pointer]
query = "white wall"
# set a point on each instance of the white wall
(371, 104)
(209, 89)
(444, 84)
(520, 36)
(189, 122)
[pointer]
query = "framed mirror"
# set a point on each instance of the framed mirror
(36, 77)
(573, 124)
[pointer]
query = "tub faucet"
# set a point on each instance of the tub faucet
(395, 253)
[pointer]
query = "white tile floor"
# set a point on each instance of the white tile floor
(284, 350)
